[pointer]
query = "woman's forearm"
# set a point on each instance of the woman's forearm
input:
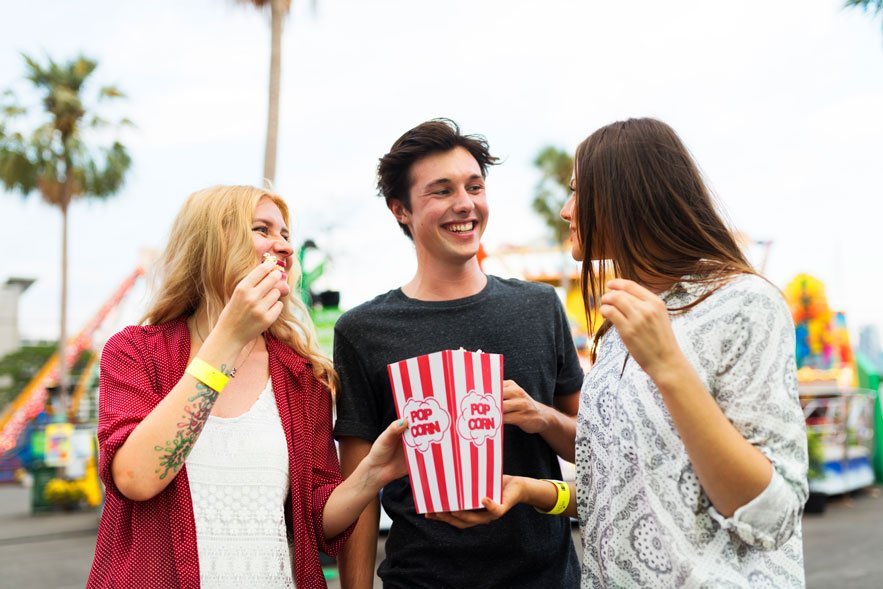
(349, 499)
(560, 434)
(155, 451)
(543, 495)
(383, 462)
(730, 469)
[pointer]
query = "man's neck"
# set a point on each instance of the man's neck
(441, 282)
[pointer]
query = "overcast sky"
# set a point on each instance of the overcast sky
(780, 103)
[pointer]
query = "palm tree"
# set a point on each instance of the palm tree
(875, 6)
(279, 9)
(550, 194)
(553, 189)
(54, 159)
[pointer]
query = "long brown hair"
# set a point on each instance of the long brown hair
(210, 250)
(641, 202)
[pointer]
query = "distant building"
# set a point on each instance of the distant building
(869, 345)
(10, 339)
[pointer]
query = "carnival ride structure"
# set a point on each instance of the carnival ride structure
(840, 416)
(33, 399)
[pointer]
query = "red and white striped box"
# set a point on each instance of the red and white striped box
(454, 443)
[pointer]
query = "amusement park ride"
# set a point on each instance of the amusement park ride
(33, 398)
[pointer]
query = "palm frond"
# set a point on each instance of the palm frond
(553, 189)
(11, 111)
(53, 157)
(105, 178)
(110, 92)
(867, 5)
(262, 4)
(18, 173)
(96, 122)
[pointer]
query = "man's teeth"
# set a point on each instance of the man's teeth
(460, 227)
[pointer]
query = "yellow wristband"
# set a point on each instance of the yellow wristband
(563, 498)
(207, 374)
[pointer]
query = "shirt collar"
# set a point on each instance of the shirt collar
(686, 290)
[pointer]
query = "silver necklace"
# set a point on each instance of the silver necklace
(232, 373)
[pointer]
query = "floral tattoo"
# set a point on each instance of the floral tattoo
(175, 451)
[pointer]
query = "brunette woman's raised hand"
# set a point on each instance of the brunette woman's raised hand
(642, 321)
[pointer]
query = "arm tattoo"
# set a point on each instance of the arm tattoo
(175, 451)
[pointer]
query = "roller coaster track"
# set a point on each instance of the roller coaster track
(86, 379)
(32, 399)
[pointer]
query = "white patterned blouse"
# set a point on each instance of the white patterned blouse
(645, 520)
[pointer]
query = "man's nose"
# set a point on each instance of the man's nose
(463, 202)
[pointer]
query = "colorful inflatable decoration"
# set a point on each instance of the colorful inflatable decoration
(823, 352)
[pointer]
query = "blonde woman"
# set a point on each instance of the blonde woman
(215, 417)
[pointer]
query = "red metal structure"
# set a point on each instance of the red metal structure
(32, 400)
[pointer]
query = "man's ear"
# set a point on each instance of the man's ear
(398, 210)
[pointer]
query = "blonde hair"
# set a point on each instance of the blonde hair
(210, 250)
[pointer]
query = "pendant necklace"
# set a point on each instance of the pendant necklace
(232, 373)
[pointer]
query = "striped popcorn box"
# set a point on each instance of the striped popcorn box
(454, 443)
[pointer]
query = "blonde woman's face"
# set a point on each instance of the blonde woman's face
(271, 236)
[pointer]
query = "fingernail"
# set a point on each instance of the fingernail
(401, 422)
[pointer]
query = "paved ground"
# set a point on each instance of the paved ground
(46, 551)
(844, 546)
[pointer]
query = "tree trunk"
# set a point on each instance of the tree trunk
(63, 384)
(277, 19)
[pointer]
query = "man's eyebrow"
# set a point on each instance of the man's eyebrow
(437, 182)
(448, 180)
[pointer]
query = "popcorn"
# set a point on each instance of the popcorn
(454, 442)
(270, 257)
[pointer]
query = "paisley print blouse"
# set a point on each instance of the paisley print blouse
(645, 519)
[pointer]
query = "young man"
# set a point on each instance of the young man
(433, 180)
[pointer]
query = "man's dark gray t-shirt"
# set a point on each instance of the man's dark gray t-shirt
(524, 322)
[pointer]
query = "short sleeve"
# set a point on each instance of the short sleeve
(570, 372)
(358, 409)
(754, 382)
(126, 396)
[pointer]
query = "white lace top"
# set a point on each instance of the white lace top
(238, 471)
(645, 520)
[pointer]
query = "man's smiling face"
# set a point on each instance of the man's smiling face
(448, 206)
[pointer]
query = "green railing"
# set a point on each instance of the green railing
(869, 378)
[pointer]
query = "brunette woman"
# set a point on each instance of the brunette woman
(690, 447)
